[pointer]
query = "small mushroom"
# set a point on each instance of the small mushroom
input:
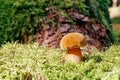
(72, 43)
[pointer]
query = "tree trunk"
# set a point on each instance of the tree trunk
(50, 35)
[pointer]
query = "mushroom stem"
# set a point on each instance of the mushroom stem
(75, 51)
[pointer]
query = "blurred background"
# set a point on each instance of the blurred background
(37, 21)
(114, 11)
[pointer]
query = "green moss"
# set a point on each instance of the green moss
(30, 61)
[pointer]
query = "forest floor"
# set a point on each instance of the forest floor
(32, 62)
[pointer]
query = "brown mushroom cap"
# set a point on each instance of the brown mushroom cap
(72, 40)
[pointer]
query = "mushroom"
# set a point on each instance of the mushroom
(72, 43)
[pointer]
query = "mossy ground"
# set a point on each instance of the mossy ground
(32, 62)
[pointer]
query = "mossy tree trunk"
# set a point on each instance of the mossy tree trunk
(95, 33)
(96, 25)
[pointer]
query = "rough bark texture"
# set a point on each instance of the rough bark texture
(50, 36)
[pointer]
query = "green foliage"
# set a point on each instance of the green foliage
(99, 10)
(116, 28)
(5, 20)
(20, 17)
(32, 62)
